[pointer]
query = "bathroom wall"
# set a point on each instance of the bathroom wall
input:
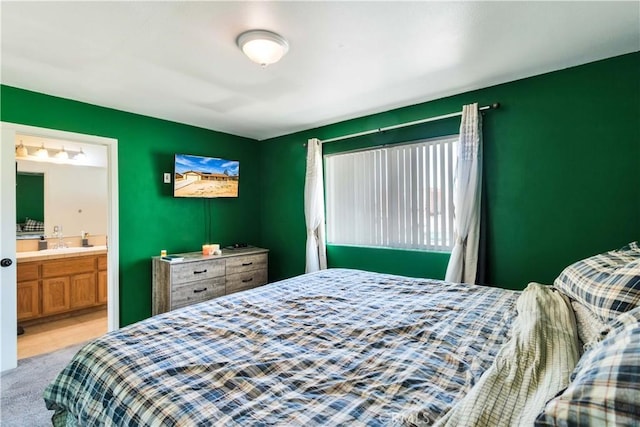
(75, 197)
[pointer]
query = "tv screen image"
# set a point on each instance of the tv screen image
(206, 177)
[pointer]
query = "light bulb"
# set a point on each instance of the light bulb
(21, 150)
(42, 152)
(80, 156)
(62, 154)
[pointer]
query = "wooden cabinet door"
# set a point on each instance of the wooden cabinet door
(28, 300)
(55, 295)
(102, 262)
(102, 287)
(83, 290)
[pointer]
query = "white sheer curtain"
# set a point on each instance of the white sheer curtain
(314, 208)
(467, 187)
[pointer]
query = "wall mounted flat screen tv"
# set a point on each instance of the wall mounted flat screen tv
(205, 177)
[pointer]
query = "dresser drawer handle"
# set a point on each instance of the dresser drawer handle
(197, 291)
(247, 263)
(200, 272)
(247, 280)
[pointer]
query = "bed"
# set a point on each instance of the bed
(30, 229)
(343, 347)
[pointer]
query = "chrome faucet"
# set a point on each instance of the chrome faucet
(57, 232)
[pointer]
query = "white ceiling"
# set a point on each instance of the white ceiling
(178, 60)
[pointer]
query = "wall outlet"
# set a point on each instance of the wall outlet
(167, 178)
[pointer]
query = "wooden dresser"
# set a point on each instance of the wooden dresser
(198, 278)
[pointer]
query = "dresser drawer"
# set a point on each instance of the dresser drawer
(198, 278)
(249, 279)
(200, 270)
(246, 263)
(195, 292)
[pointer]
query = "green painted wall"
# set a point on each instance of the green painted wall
(561, 162)
(29, 197)
(150, 218)
(561, 182)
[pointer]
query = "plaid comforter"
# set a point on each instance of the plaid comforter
(336, 347)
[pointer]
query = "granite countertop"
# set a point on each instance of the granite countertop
(60, 253)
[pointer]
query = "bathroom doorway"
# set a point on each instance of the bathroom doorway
(58, 281)
(61, 243)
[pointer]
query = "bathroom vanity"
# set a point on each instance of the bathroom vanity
(60, 281)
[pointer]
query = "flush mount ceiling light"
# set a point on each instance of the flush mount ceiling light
(262, 46)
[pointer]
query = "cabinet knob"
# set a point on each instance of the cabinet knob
(6, 262)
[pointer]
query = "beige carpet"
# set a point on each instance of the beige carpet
(22, 403)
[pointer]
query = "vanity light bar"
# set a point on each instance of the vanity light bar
(22, 152)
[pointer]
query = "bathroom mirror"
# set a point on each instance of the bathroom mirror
(29, 204)
(72, 197)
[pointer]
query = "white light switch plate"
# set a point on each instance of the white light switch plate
(167, 178)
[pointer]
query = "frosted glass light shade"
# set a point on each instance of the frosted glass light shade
(42, 152)
(21, 151)
(262, 46)
(62, 154)
(80, 156)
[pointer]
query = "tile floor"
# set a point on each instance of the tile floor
(54, 335)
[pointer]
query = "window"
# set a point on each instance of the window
(398, 196)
